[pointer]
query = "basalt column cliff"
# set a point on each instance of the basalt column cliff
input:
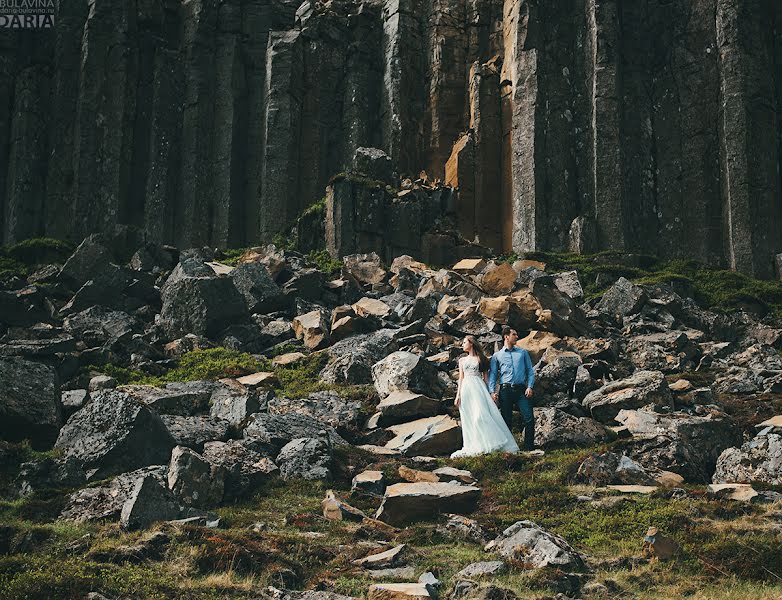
(649, 126)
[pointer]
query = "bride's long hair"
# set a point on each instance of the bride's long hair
(483, 361)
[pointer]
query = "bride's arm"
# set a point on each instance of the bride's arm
(459, 385)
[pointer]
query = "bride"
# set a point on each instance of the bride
(483, 429)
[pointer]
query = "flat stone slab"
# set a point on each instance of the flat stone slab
(382, 560)
(447, 474)
(633, 489)
(482, 569)
(433, 435)
(404, 405)
(398, 591)
(406, 502)
(741, 492)
(772, 422)
(257, 379)
(398, 573)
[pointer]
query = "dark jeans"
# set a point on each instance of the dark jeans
(511, 396)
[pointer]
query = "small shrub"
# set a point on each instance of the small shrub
(10, 268)
(323, 260)
(215, 363)
(37, 251)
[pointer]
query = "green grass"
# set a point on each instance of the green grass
(323, 261)
(716, 289)
(21, 259)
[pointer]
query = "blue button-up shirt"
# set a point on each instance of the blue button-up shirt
(514, 366)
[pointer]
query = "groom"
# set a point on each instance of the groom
(516, 379)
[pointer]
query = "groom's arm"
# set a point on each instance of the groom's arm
(493, 365)
(530, 370)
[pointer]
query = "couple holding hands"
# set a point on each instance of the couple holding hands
(488, 389)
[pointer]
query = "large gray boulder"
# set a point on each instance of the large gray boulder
(622, 299)
(197, 301)
(277, 430)
(194, 480)
(326, 407)
(194, 432)
(261, 294)
(533, 545)
(113, 434)
(407, 502)
(640, 389)
(86, 262)
(247, 468)
(306, 458)
(29, 402)
(688, 445)
(557, 429)
(184, 398)
(105, 502)
(757, 461)
(406, 371)
(149, 502)
(98, 326)
(351, 360)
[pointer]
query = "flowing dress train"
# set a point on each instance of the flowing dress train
(483, 428)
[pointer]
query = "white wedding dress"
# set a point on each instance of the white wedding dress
(483, 428)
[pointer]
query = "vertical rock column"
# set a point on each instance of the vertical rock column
(749, 130)
(520, 134)
(448, 43)
(197, 176)
(65, 91)
(281, 130)
(105, 112)
(606, 148)
(404, 79)
(485, 122)
(162, 208)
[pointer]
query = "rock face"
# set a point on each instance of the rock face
(224, 138)
(640, 389)
(113, 434)
(29, 402)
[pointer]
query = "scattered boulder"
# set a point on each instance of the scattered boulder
(557, 429)
(195, 481)
(196, 301)
(369, 482)
(325, 406)
(759, 460)
(406, 371)
(261, 294)
(399, 591)
(483, 569)
(624, 298)
(184, 398)
(406, 502)
(464, 528)
(640, 389)
(306, 458)
(401, 406)
(194, 432)
(247, 469)
(430, 436)
(351, 360)
(383, 560)
(149, 502)
(533, 545)
(234, 402)
(29, 402)
(114, 433)
(313, 329)
(278, 430)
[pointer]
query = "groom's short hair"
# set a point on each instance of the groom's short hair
(506, 330)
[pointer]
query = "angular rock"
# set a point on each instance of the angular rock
(366, 268)
(530, 543)
(234, 402)
(382, 560)
(196, 301)
(114, 433)
(623, 298)
(194, 432)
(183, 398)
(369, 307)
(105, 502)
(640, 389)
(406, 371)
(29, 402)
(306, 458)
(401, 406)
(430, 436)
(195, 481)
(498, 280)
(261, 294)
(278, 430)
(351, 360)
(482, 569)
(313, 329)
(407, 502)
(149, 502)
(464, 528)
(326, 407)
(399, 591)
(557, 429)
(369, 482)
(759, 460)
(247, 469)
